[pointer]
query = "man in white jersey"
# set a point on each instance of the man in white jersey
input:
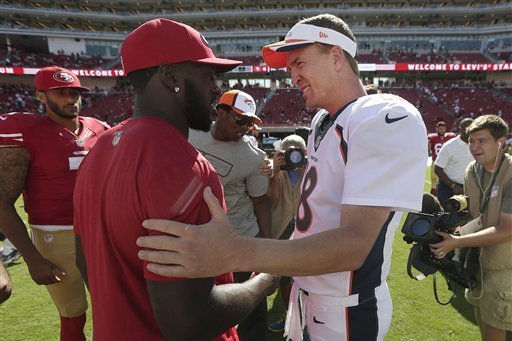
(352, 194)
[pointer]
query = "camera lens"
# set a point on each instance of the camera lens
(457, 203)
(296, 157)
(420, 227)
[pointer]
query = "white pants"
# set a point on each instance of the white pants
(329, 318)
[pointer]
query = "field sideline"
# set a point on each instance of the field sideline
(30, 315)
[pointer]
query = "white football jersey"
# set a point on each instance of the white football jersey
(372, 152)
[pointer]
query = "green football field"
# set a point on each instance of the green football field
(30, 315)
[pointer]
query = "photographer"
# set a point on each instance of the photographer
(286, 173)
(284, 186)
(488, 184)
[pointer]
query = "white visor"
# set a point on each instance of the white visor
(302, 35)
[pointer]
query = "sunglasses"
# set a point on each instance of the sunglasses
(242, 120)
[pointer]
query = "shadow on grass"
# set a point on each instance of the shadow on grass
(276, 310)
(462, 306)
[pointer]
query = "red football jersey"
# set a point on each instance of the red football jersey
(436, 142)
(142, 168)
(55, 155)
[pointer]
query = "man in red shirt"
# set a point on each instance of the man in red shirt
(435, 142)
(39, 157)
(145, 168)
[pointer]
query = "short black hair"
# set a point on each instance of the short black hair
(140, 78)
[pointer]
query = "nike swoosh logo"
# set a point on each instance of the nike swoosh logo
(391, 120)
(316, 321)
(3, 118)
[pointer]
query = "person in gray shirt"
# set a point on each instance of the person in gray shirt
(237, 162)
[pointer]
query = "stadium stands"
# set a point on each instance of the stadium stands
(87, 36)
(18, 57)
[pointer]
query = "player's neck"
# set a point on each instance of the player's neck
(144, 108)
(71, 124)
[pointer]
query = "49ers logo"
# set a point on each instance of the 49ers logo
(64, 77)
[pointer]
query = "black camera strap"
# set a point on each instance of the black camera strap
(486, 194)
(412, 256)
(436, 296)
(415, 260)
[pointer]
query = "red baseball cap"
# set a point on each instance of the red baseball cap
(163, 41)
(54, 77)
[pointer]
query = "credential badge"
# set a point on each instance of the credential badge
(494, 191)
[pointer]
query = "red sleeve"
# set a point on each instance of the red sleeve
(11, 131)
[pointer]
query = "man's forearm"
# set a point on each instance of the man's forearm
(262, 211)
(239, 299)
(13, 227)
(339, 249)
(443, 177)
(273, 188)
(317, 254)
(486, 237)
(195, 310)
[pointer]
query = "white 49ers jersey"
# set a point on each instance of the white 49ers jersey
(372, 152)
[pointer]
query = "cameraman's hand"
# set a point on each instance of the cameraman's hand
(448, 244)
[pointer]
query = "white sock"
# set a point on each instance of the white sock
(7, 247)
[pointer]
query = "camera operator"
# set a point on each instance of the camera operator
(488, 184)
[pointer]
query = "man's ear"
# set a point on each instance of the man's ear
(172, 76)
(338, 57)
(502, 141)
(41, 96)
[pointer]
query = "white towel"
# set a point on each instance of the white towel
(296, 315)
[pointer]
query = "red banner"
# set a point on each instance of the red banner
(453, 67)
(8, 70)
(14, 70)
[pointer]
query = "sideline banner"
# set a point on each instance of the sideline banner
(412, 67)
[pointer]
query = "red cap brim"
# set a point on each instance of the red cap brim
(221, 65)
(276, 55)
(83, 88)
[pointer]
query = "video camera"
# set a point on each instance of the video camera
(294, 158)
(420, 229)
